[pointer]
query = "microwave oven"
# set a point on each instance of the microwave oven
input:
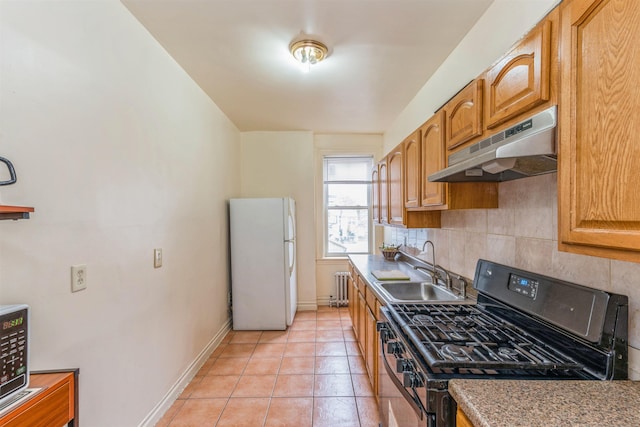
(14, 350)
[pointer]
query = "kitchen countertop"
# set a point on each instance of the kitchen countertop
(365, 264)
(531, 403)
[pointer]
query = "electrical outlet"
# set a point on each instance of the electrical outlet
(78, 277)
(157, 258)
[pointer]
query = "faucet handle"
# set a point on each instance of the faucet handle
(463, 285)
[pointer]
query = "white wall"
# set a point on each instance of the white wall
(120, 152)
(280, 164)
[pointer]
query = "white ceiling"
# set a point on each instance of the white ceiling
(381, 53)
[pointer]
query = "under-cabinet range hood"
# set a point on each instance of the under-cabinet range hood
(523, 150)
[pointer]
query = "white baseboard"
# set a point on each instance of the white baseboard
(323, 300)
(306, 306)
(158, 411)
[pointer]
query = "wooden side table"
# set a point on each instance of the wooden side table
(55, 405)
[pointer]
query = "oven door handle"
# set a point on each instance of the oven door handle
(410, 399)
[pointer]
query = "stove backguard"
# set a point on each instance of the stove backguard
(589, 322)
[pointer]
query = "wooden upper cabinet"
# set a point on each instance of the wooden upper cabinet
(375, 186)
(521, 79)
(432, 159)
(599, 158)
(412, 170)
(464, 115)
(396, 185)
(383, 188)
(392, 176)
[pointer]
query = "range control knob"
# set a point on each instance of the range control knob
(413, 379)
(392, 347)
(404, 365)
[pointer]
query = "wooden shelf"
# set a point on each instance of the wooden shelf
(55, 405)
(15, 212)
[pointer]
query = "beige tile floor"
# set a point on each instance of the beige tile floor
(309, 375)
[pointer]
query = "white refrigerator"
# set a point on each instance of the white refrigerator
(263, 263)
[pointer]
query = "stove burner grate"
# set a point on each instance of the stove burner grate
(461, 336)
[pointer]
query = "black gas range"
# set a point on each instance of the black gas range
(523, 326)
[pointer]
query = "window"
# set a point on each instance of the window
(347, 194)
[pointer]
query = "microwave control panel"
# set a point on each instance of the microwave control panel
(14, 375)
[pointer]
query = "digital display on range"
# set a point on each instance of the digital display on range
(523, 285)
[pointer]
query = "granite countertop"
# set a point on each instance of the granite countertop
(532, 403)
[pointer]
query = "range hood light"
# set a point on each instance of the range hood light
(499, 165)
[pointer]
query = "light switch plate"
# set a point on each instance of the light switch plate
(157, 258)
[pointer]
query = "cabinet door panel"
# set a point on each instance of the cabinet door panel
(362, 319)
(370, 353)
(353, 296)
(520, 81)
(464, 115)
(383, 180)
(432, 160)
(412, 171)
(396, 183)
(599, 155)
(375, 203)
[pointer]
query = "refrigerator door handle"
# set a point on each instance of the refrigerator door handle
(292, 263)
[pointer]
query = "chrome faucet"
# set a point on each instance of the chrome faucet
(433, 273)
(434, 267)
(433, 254)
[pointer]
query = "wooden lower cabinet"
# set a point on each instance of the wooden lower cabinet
(462, 420)
(363, 309)
(370, 332)
(371, 350)
(353, 291)
(354, 310)
(362, 313)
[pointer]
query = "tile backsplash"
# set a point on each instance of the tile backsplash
(522, 233)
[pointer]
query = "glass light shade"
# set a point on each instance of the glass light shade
(308, 52)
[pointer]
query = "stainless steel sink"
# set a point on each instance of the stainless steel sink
(403, 291)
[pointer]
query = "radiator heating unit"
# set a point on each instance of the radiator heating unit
(341, 298)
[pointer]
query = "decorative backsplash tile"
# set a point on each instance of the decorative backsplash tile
(534, 254)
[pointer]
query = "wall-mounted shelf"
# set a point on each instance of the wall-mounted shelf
(15, 212)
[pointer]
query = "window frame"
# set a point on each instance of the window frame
(326, 207)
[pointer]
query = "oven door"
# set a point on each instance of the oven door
(400, 404)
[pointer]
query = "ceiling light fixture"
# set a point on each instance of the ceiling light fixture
(308, 52)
